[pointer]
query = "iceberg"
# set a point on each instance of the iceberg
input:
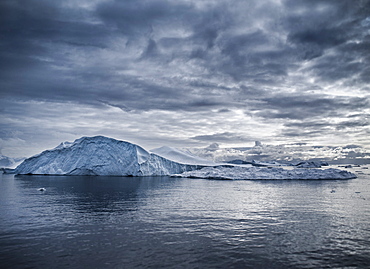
(103, 156)
(311, 164)
(237, 172)
(7, 163)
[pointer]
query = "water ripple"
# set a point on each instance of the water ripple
(89, 222)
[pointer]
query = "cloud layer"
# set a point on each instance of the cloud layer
(184, 72)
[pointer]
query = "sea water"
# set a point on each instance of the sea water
(164, 222)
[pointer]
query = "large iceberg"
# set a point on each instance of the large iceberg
(100, 155)
(238, 172)
(104, 156)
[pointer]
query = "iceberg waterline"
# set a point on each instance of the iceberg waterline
(104, 156)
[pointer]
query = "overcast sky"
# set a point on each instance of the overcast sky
(184, 73)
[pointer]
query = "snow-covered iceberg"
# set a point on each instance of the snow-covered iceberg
(104, 156)
(7, 162)
(237, 172)
(100, 155)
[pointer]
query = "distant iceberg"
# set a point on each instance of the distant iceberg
(237, 172)
(181, 156)
(7, 163)
(100, 155)
(104, 156)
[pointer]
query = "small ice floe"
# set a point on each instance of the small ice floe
(41, 189)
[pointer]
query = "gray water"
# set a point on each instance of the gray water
(163, 222)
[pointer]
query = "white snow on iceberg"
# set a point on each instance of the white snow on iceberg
(100, 156)
(227, 172)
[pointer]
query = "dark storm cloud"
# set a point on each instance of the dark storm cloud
(261, 57)
(27, 26)
(337, 25)
(35, 38)
(317, 25)
(351, 60)
(353, 124)
(31, 30)
(241, 61)
(299, 133)
(133, 17)
(325, 126)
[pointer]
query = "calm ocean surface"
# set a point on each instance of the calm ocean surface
(163, 222)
